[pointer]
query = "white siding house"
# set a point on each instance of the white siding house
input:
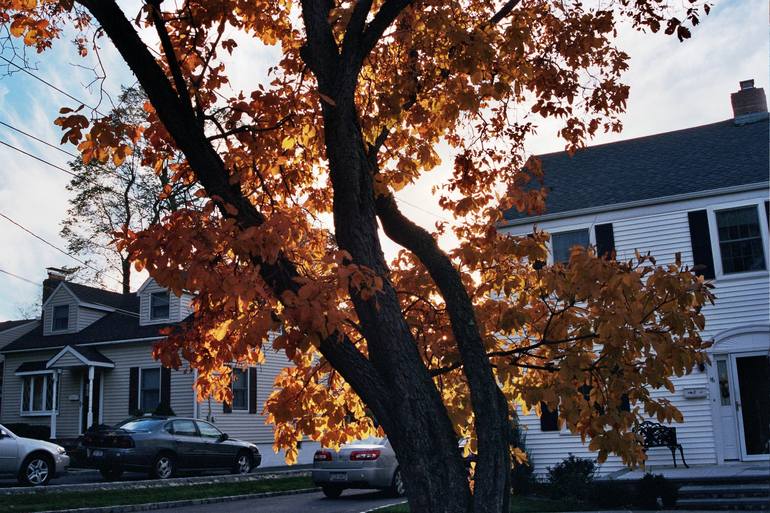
(701, 193)
(89, 362)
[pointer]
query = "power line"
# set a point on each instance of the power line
(54, 146)
(65, 93)
(20, 277)
(57, 248)
(442, 218)
(40, 159)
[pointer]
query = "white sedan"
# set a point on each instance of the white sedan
(32, 462)
(369, 463)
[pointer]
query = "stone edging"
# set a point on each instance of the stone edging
(180, 503)
(150, 483)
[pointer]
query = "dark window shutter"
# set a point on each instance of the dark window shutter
(767, 212)
(549, 420)
(227, 407)
(133, 390)
(700, 240)
(605, 240)
(165, 386)
(252, 390)
(625, 403)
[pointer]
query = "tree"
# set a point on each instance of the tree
(436, 344)
(116, 194)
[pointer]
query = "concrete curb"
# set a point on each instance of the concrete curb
(384, 506)
(181, 503)
(150, 483)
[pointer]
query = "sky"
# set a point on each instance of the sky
(673, 85)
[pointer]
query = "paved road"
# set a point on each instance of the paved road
(79, 476)
(352, 501)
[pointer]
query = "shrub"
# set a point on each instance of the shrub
(571, 478)
(25, 430)
(651, 487)
(522, 476)
(164, 409)
(612, 494)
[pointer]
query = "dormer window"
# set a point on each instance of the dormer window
(159, 305)
(61, 317)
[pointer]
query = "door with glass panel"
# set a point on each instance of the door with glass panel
(727, 409)
(751, 379)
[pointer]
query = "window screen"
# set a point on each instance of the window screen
(740, 240)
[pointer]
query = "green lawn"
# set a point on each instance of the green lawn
(518, 505)
(70, 500)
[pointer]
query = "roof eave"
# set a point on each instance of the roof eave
(634, 204)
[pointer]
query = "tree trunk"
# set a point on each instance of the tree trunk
(125, 270)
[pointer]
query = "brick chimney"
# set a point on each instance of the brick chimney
(749, 103)
(55, 276)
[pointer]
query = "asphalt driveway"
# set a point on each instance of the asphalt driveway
(352, 501)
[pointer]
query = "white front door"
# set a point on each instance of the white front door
(727, 406)
(751, 381)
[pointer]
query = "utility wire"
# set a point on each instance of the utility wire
(442, 218)
(65, 93)
(54, 146)
(57, 248)
(20, 277)
(40, 159)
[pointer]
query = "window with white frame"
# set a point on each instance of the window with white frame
(37, 394)
(149, 389)
(563, 242)
(61, 317)
(740, 240)
(240, 386)
(159, 305)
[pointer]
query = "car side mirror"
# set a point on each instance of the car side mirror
(3, 434)
(223, 437)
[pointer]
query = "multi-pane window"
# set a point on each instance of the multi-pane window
(2, 370)
(149, 389)
(563, 242)
(740, 240)
(240, 385)
(61, 317)
(37, 394)
(159, 305)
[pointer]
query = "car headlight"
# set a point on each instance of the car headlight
(61, 450)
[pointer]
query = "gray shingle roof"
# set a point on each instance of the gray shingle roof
(703, 158)
(6, 325)
(91, 354)
(88, 294)
(113, 326)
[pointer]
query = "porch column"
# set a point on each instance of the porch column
(55, 406)
(90, 416)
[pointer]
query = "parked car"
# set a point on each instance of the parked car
(33, 462)
(368, 463)
(164, 446)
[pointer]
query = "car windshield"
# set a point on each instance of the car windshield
(140, 424)
(373, 440)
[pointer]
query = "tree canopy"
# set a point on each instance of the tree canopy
(435, 344)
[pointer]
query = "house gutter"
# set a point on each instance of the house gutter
(126, 341)
(634, 204)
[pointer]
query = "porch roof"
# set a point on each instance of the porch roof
(83, 356)
(31, 367)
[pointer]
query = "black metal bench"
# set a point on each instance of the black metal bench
(658, 435)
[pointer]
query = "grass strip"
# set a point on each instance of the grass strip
(99, 498)
(518, 505)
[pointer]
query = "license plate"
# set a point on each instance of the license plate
(339, 476)
(96, 453)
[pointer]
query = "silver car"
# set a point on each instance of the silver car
(369, 463)
(32, 462)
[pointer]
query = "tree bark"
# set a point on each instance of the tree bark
(393, 382)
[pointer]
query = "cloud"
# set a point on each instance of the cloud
(673, 85)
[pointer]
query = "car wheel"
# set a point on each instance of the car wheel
(164, 466)
(111, 474)
(332, 492)
(242, 464)
(37, 470)
(398, 488)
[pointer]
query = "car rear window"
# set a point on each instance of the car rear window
(140, 424)
(370, 441)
